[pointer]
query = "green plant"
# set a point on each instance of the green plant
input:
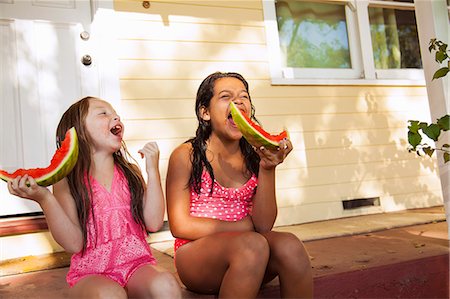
(441, 56)
(416, 128)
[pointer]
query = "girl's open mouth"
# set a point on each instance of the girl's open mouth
(116, 130)
(231, 120)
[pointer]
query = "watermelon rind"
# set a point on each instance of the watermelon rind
(254, 134)
(59, 166)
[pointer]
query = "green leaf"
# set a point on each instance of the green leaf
(428, 150)
(414, 139)
(444, 122)
(441, 56)
(413, 126)
(423, 125)
(446, 157)
(440, 72)
(433, 131)
(432, 44)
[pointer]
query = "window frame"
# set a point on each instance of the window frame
(448, 10)
(363, 70)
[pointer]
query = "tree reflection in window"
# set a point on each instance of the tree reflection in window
(313, 35)
(394, 36)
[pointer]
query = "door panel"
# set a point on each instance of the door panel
(75, 11)
(41, 75)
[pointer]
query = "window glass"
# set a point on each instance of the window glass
(395, 40)
(313, 35)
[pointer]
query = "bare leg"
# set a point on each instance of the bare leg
(153, 282)
(290, 261)
(231, 264)
(97, 286)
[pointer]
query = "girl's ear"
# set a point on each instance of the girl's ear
(204, 113)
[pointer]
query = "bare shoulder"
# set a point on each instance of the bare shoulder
(181, 154)
(180, 166)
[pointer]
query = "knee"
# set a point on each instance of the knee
(289, 249)
(164, 285)
(107, 292)
(252, 249)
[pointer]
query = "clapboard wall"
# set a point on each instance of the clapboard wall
(349, 141)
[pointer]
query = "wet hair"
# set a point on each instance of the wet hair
(198, 156)
(79, 180)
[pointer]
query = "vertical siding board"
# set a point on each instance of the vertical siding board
(350, 141)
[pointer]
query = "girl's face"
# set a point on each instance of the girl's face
(104, 126)
(226, 90)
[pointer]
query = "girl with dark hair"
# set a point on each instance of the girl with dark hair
(100, 212)
(222, 206)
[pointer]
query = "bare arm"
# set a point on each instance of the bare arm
(265, 211)
(153, 197)
(59, 210)
(182, 224)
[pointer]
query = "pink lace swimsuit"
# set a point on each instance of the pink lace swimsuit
(117, 245)
(227, 204)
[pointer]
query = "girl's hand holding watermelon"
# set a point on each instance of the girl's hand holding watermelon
(26, 187)
(271, 157)
(272, 149)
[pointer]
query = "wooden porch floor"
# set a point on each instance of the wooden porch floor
(409, 261)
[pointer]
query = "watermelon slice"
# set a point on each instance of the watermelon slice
(254, 134)
(60, 166)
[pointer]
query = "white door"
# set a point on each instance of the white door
(41, 75)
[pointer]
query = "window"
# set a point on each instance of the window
(395, 43)
(313, 35)
(394, 39)
(342, 40)
(315, 40)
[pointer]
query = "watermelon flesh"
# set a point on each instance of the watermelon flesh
(253, 133)
(60, 166)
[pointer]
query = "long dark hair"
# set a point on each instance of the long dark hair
(75, 116)
(198, 157)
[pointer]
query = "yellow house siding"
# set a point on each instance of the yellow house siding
(349, 141)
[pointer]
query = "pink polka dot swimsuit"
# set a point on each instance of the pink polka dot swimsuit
(227, 204)
(116, 244)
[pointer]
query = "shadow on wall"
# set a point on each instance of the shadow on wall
(350, 141)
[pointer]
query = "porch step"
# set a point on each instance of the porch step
(422, 278)
(407, 262)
